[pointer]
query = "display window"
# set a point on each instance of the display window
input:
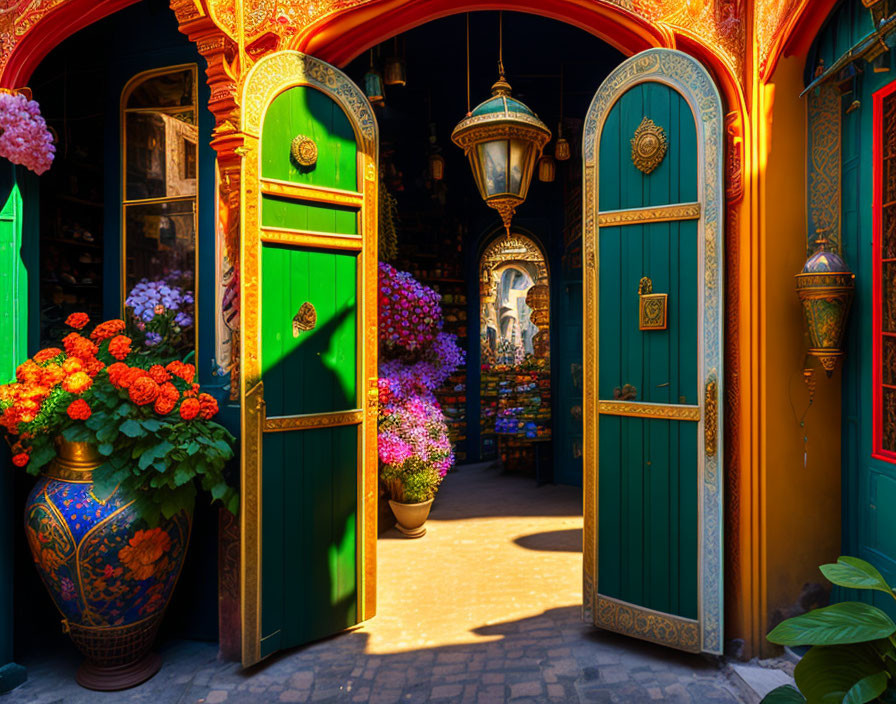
(159, 124)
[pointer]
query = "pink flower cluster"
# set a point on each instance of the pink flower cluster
(410, 424)
(414, 428)
(410, 316)
(25, 138)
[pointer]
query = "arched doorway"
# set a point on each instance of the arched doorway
(515, 352)
(374, 22)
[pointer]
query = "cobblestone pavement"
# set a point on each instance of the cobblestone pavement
(485, 608)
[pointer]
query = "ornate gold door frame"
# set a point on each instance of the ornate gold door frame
(689, 78)
(267, 79)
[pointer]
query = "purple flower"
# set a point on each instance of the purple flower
(152, 339)
(183, 320)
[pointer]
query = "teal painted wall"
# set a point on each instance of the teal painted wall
(868, 485)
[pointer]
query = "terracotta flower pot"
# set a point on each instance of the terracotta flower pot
(110, 574)
(411, 517)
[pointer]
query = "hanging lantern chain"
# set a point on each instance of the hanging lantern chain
(469, 108)
(501, 44)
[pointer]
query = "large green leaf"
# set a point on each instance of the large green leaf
(854, 573)
(867, 689)
(785, 694)
(846, 622)
(831, 673)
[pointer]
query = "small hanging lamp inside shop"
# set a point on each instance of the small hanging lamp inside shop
(503, 140)
(561, 148)
(436, 166)
(394, 69)
(547, 169)
(373, 85)
(826, 287)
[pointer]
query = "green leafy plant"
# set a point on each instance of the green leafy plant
(414, 481)
(853, 655)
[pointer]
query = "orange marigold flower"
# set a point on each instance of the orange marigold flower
(78, 346)
(169, 390)
(115, 372)
(164, 405)
(78, 409)
(130, 376)
(184, 371)
(189, 409)
(47, 354)
(144, 390)
(120, 346)
(51, 375)
(142, 553)
(77, 320)
(93, 366)
(28, 372)
(158, 374)
(21, 459)
(34, 393)
(72, 365)
(77, 383)
(106, 330)
(208, 406)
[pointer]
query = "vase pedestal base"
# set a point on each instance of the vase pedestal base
(113, 679)
(411, 532)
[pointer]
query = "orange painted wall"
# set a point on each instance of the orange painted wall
(800, 506)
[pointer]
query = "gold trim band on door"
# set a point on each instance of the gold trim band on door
(322, 240)
(664, 411)
(647, 624)
(309, 421)
(317, 194)
(637, 216)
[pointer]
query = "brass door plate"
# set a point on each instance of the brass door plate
(653, 308)
(304, 320)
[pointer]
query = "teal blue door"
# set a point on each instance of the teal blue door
(653, 339)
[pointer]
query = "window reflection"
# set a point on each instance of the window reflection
(159, 123)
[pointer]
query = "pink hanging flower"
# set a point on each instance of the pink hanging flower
(24, 137)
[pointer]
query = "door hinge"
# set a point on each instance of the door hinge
(711, 416)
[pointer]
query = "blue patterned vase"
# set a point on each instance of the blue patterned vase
(109, 572)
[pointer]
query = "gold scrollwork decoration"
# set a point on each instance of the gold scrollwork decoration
(648, 146)
(276, 424)
(646, 624)
(711, 409)
(637, 216)
(303, 151)
(663, 411)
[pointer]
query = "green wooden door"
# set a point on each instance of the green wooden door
(13, 280)
(308, 263)
(653, 303)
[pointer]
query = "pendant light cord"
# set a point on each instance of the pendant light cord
(469, 109)
(501, 44)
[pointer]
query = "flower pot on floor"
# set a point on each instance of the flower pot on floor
(109, 572)
(411, 517)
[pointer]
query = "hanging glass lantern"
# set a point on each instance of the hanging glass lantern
(373, 87)
(436, 166)
(503, 139)
(547, 169)
(394, 73)
(826, 288)
(561, 148)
